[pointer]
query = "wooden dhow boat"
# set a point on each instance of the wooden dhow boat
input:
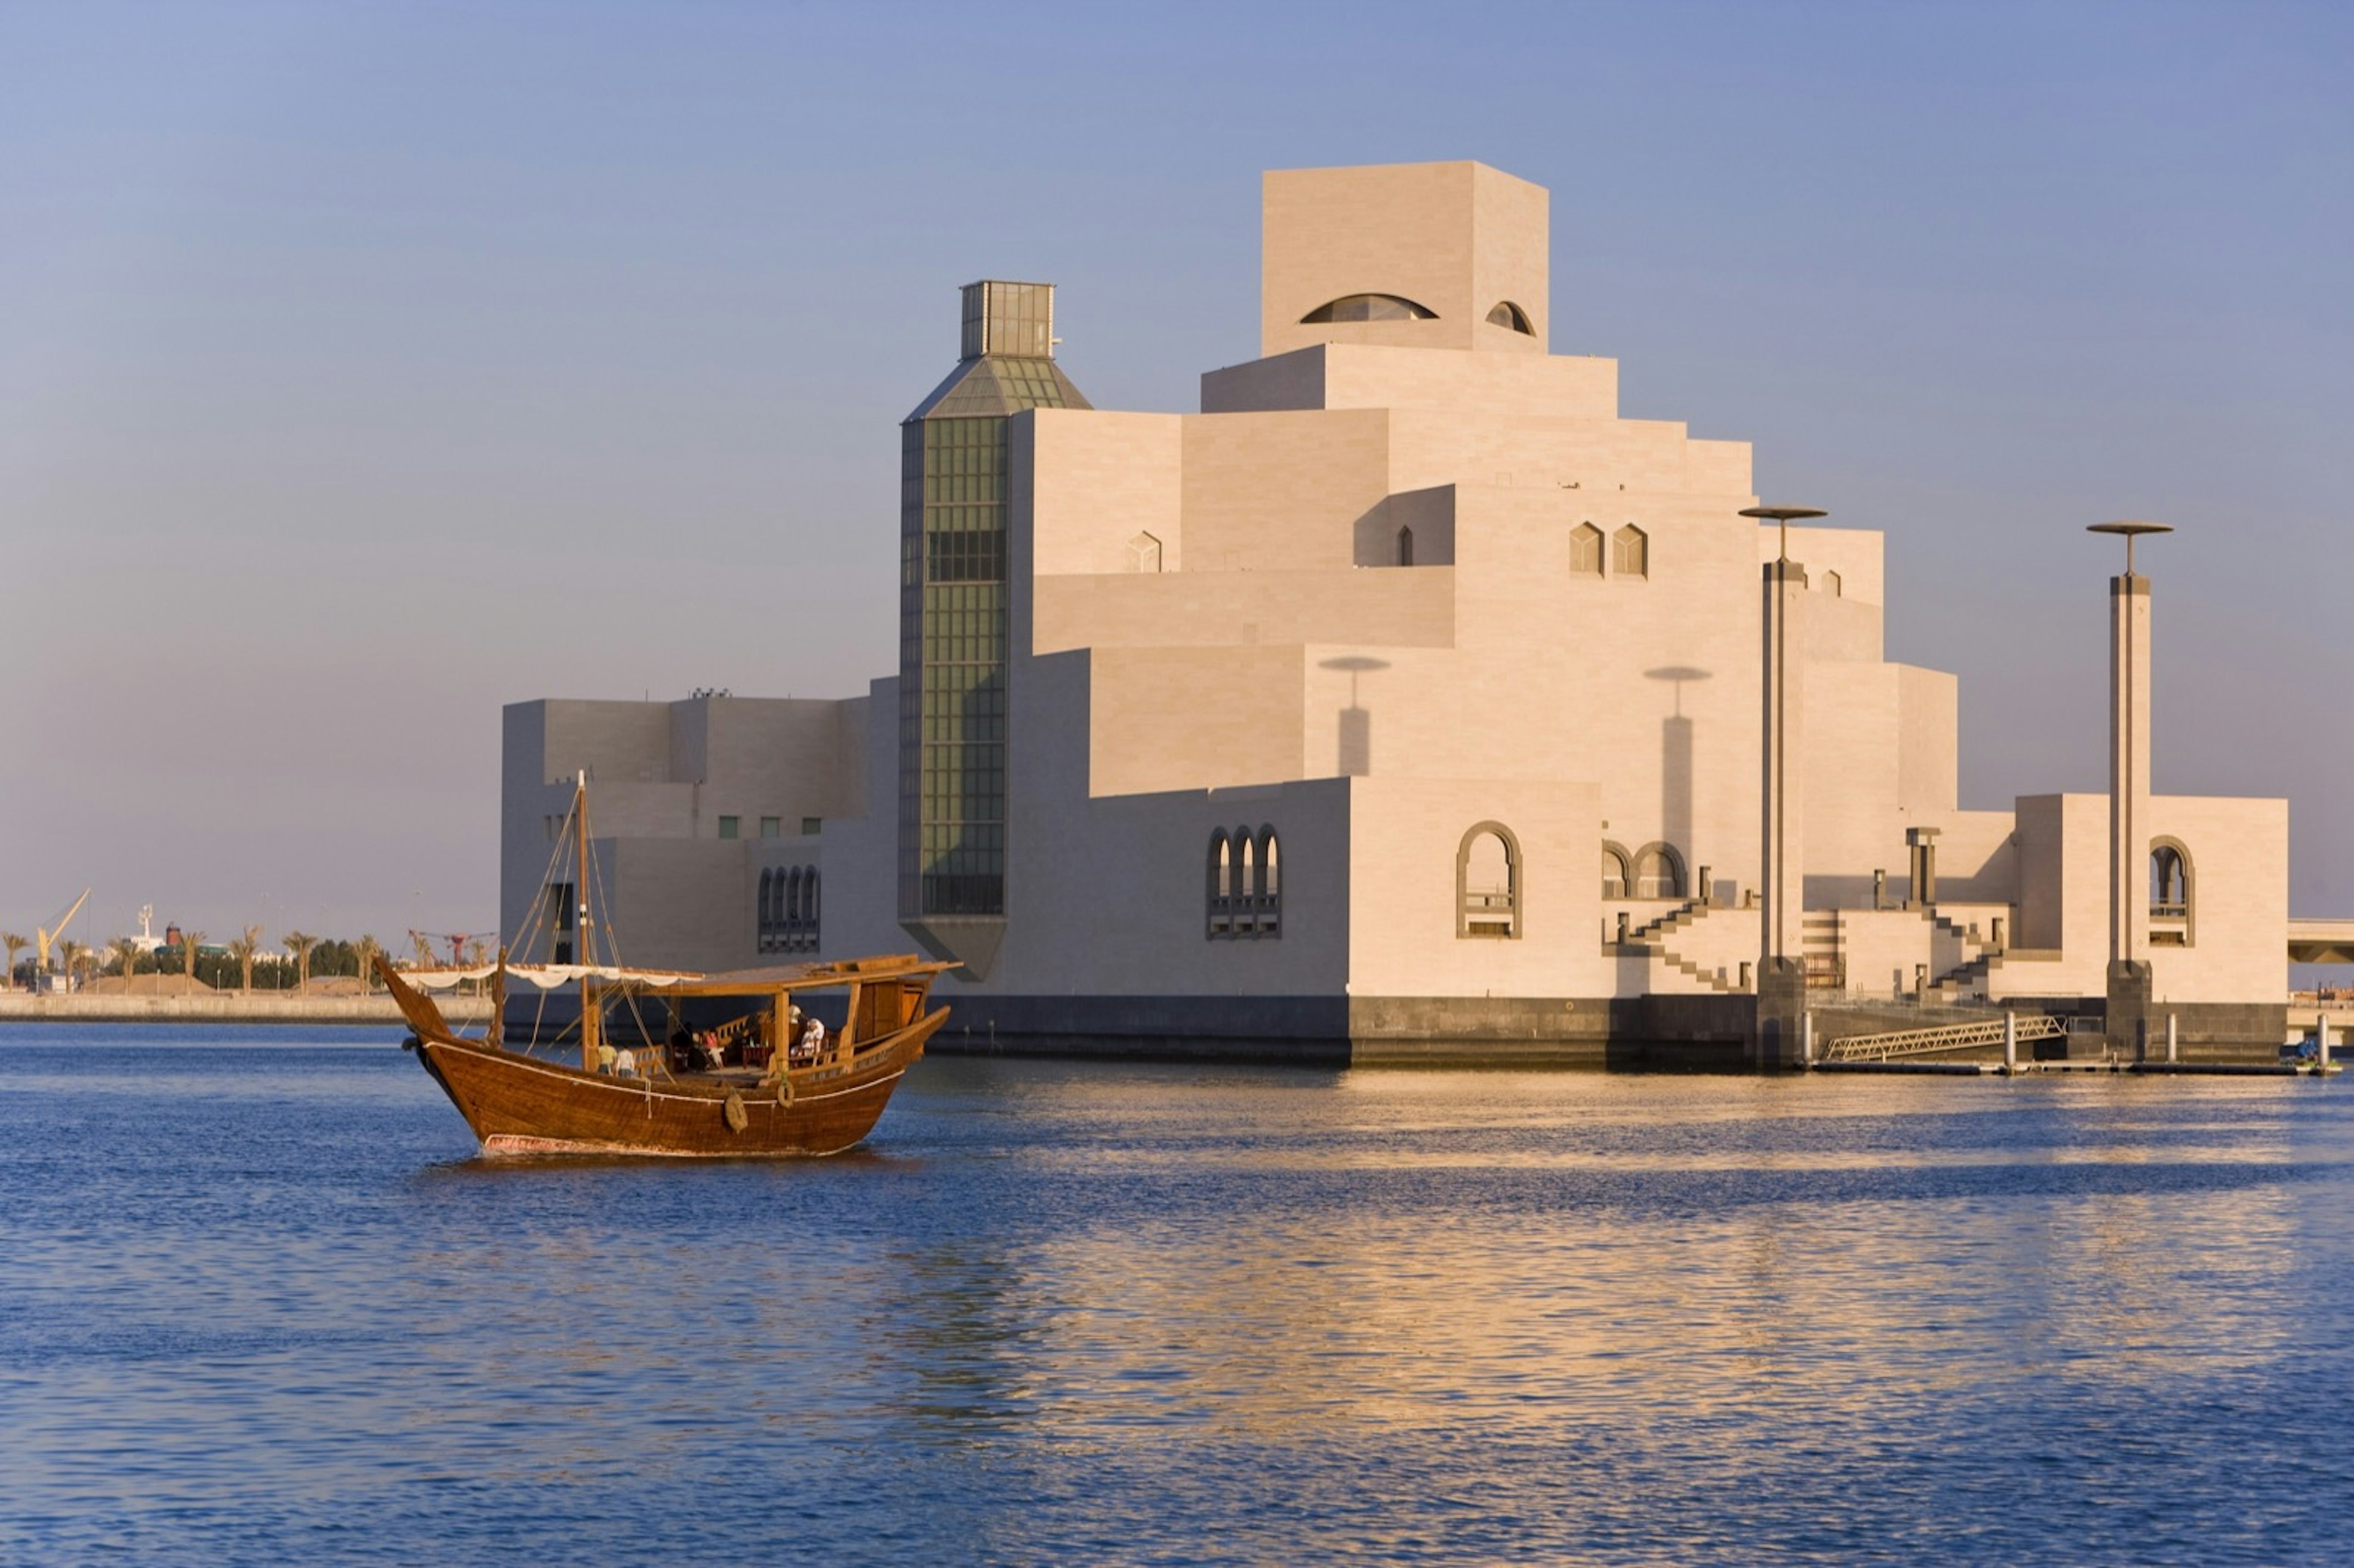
(734, 1068)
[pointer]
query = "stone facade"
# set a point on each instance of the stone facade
(1459, 669)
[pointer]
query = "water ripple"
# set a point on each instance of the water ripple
(259, 1304)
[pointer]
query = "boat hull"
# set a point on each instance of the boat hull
(519, 1104)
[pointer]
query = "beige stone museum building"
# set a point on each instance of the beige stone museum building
(1405, 700)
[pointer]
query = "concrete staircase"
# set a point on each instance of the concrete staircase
(1666, 925)
(1652, 938)
(1967, 979)
(1822, 945)
(1708, 977)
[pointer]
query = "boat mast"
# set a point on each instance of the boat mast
(580, 867)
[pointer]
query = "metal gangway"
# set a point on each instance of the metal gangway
(1945, 1037)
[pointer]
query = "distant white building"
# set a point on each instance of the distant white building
(1405, 700)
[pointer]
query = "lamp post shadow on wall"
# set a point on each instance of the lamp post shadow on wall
(1356, 757)
(1676, 776)
(2127, 1020)
(1782, 882)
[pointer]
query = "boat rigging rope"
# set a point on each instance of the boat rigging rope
(593, 877)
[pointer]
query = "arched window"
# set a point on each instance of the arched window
(1245, 876)
(1831, 583)
(1630, 553)
(1368, 307)
(1405, 546)
(789, 921)
(1618, 871)
(1221, 889)
(1508, 314)
(1488, 883)
(2171, 894)
(1144, 553)
(1585, 551)
(1658, 872)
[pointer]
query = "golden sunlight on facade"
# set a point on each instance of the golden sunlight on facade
(1405, 702)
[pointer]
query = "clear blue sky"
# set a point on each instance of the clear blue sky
(363, 368)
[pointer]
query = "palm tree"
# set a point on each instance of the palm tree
(242, 950)
(424, 950)
(300, 944)
(369, 950)
(191, 940)
(71, 952)
(126, 952)
(15, 943)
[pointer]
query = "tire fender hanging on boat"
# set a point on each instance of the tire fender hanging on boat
(738, 1118)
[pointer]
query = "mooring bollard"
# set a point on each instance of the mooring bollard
(2172, 1045)
(2011, 1042)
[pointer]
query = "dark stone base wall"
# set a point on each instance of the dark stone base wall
(1663, 1031)
(1298, 1031)
(2206, 1031)
(2220, 1030)
(1706, 1033)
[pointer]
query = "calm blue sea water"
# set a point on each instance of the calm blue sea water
(259, 1305)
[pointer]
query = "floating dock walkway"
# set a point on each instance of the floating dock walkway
(1902, 1050)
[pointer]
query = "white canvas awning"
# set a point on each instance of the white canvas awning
(546, 976)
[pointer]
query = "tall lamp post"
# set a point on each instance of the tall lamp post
(1781, 880)
(2126, 1023)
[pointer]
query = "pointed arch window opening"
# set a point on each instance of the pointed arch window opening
(1220, 916)
(788, 910)
(1630, 553)
(1245, 884)
(1585, 551)
(1405, 546)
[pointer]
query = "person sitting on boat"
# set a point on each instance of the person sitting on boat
(812, 1044)
(714, 1056)
(625, 1063)
(605, 1056)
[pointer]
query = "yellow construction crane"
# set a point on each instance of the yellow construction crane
(43, 935)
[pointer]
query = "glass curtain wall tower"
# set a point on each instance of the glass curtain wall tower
(952, 616)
